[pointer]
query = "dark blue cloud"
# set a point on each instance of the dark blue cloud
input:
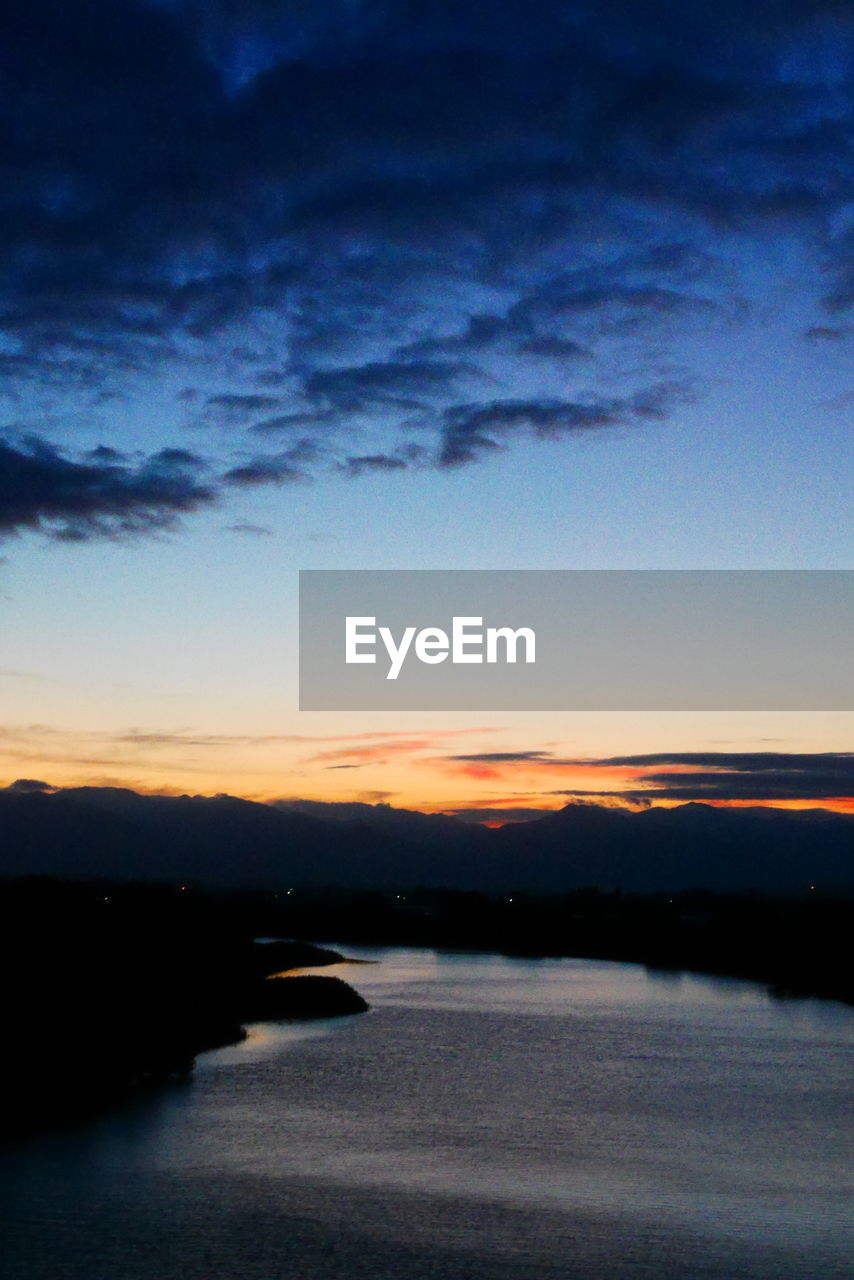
(368, 462)
(74, 501)
(335, 211)
(471, 428)
(746, 775)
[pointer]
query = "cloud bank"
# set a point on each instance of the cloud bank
(386, 236)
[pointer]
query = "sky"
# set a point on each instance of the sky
(329, 284)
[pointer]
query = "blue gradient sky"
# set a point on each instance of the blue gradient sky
(596, 325)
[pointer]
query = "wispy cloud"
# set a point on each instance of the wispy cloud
(735, 776)
(249, 530)
(681, 776)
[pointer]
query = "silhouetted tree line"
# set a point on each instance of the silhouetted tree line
(797, 945)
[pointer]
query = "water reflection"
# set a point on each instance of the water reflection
(489, 1118)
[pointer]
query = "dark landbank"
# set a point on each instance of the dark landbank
(127, 931)
(110, 989)
(795, 945)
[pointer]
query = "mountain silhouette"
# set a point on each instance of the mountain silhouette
(113, 833)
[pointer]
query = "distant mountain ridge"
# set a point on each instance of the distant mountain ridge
(113, 833)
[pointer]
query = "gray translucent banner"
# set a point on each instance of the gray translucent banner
(585, 640)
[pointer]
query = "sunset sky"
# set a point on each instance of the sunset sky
(330, 284)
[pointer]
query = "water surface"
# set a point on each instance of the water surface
(489, 1118)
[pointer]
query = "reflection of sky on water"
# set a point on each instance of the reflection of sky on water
(488, 1113)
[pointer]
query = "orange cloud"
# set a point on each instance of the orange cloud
(379, 747)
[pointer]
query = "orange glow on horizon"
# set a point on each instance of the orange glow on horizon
(537, 764)
(538, 805)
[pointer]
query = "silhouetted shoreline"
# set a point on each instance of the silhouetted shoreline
(794, 945)
(113, 988)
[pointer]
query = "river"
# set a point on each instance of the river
(489, 1118)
